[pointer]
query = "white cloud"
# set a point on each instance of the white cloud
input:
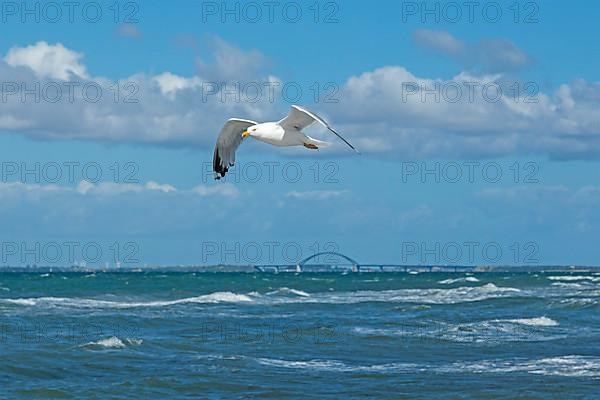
(315, 194)
(419, 213)
(488, 55)
(166, 188)
(9, 122)
(107, 188)
(111, 188)
(170, 83)
(221, 189)
(439, 40)
(374, 110)
(114, 209)
(380, 112)
(166, 108)
(231, 63)
(525, 194)
(129, 31)
(48, 61)
(85, 188)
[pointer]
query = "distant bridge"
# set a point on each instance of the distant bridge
(328, 253)
(354, 266)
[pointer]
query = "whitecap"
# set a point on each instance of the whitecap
(457, 280)
(422, 296)
(539, 321)
(321, 280)
(583, 302)
(286, 290)
(487, 331)
(567, 366)
(113, 343)
(217, 297)
(570, 278)
(568, 285)
(336, 365)
(21, 302)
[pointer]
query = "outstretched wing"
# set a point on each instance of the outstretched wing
(228, 141)
(300, 118)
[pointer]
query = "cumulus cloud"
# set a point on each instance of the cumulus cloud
(389, 110)
(169, 84)
(43, 81)
(488, 55)
(48, 61)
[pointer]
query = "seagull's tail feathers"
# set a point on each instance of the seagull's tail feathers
(316, 142)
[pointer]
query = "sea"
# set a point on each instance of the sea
(395, 335)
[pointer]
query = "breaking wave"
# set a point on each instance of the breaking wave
(566, 366)
(113, 343)
(457, 280)
(287, 295)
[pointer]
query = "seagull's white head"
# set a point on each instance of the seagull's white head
(264, 130)
(252, 131)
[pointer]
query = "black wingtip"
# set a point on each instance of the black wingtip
(218, 167)
(344, 140)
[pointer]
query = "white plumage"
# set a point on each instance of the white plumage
(287, 132)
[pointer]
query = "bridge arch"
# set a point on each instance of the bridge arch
(331, 253)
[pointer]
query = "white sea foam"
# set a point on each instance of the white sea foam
(539, 321)
(569, 285)
(339, 366)
(580, 302)
(21, 302)
(288, 291)
(571, 278)
(567, 366)
(113, 343)
(287, 295)
(457, 280)
(488, 331)
(424, 296)
(321, 279)
(218, 297)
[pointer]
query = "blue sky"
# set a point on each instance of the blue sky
(375, 207)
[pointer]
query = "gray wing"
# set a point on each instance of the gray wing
(228, 141)
(300, 118)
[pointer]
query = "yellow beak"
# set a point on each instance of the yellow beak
(246, 133)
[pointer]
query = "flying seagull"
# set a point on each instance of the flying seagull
(287, 132)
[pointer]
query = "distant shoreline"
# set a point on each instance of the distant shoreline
(371, 268)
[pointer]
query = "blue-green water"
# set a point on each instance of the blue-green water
(388, 336)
